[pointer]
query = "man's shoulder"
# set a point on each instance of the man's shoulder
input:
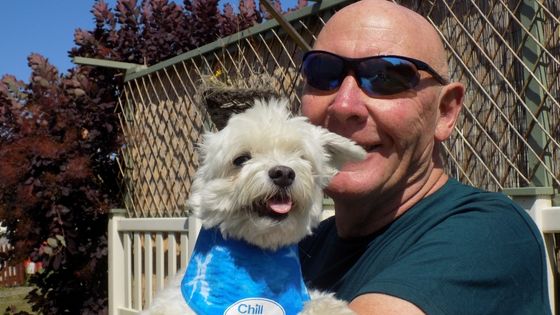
(462, 208)
(460, 194)
(459, 200)
(488, 227)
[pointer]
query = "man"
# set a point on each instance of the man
(406, 239)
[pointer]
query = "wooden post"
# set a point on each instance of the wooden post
(194, 228)
(116, 264)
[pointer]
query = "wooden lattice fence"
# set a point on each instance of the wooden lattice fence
(506, 52)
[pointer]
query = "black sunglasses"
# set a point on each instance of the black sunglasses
(376, 76)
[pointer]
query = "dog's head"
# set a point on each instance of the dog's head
(261, 177)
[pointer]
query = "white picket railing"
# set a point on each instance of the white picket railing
(143, 254)
(10, 274)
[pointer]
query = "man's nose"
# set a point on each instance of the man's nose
(348, 103)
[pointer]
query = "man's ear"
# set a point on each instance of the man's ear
(450, 104)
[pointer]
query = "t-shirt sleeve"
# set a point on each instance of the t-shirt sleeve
(483, 260)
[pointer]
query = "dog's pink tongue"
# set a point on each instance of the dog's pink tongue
(279, 206)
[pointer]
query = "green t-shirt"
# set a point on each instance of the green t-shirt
(458, 251)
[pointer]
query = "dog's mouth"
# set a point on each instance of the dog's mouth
(277, 207)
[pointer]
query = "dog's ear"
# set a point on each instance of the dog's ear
(340, 149)
(337, 151)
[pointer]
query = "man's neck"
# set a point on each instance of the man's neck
(365, 216)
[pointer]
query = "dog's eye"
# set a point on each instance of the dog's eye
(240, 160)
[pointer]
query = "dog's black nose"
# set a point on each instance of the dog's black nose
(282, 176)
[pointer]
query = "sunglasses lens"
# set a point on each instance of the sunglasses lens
(377, 76)
(323, 71)
(386, 75)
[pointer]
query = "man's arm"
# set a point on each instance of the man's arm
(382, 304)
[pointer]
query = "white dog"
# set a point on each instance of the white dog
(258, 191)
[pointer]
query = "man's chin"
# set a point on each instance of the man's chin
(354, 182)
(345, 185)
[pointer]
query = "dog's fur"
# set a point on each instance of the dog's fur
(235, 183)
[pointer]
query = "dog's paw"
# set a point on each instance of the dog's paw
(325, 304)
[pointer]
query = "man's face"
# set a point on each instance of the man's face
(396, 130)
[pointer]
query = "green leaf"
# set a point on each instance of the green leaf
(61, 239)
(48, 250)
(52, 242)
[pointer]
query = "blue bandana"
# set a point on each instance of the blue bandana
(233, 277)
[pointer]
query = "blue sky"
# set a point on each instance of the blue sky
(46, 27)
(41, 26)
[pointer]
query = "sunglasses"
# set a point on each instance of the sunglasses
(376, 76)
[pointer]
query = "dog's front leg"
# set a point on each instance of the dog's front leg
(170, 300)
(325, 304)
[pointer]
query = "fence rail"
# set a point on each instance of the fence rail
(10, 275)
(144, 255)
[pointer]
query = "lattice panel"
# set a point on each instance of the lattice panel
(505, 52)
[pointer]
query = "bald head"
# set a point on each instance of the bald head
(381, 27)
